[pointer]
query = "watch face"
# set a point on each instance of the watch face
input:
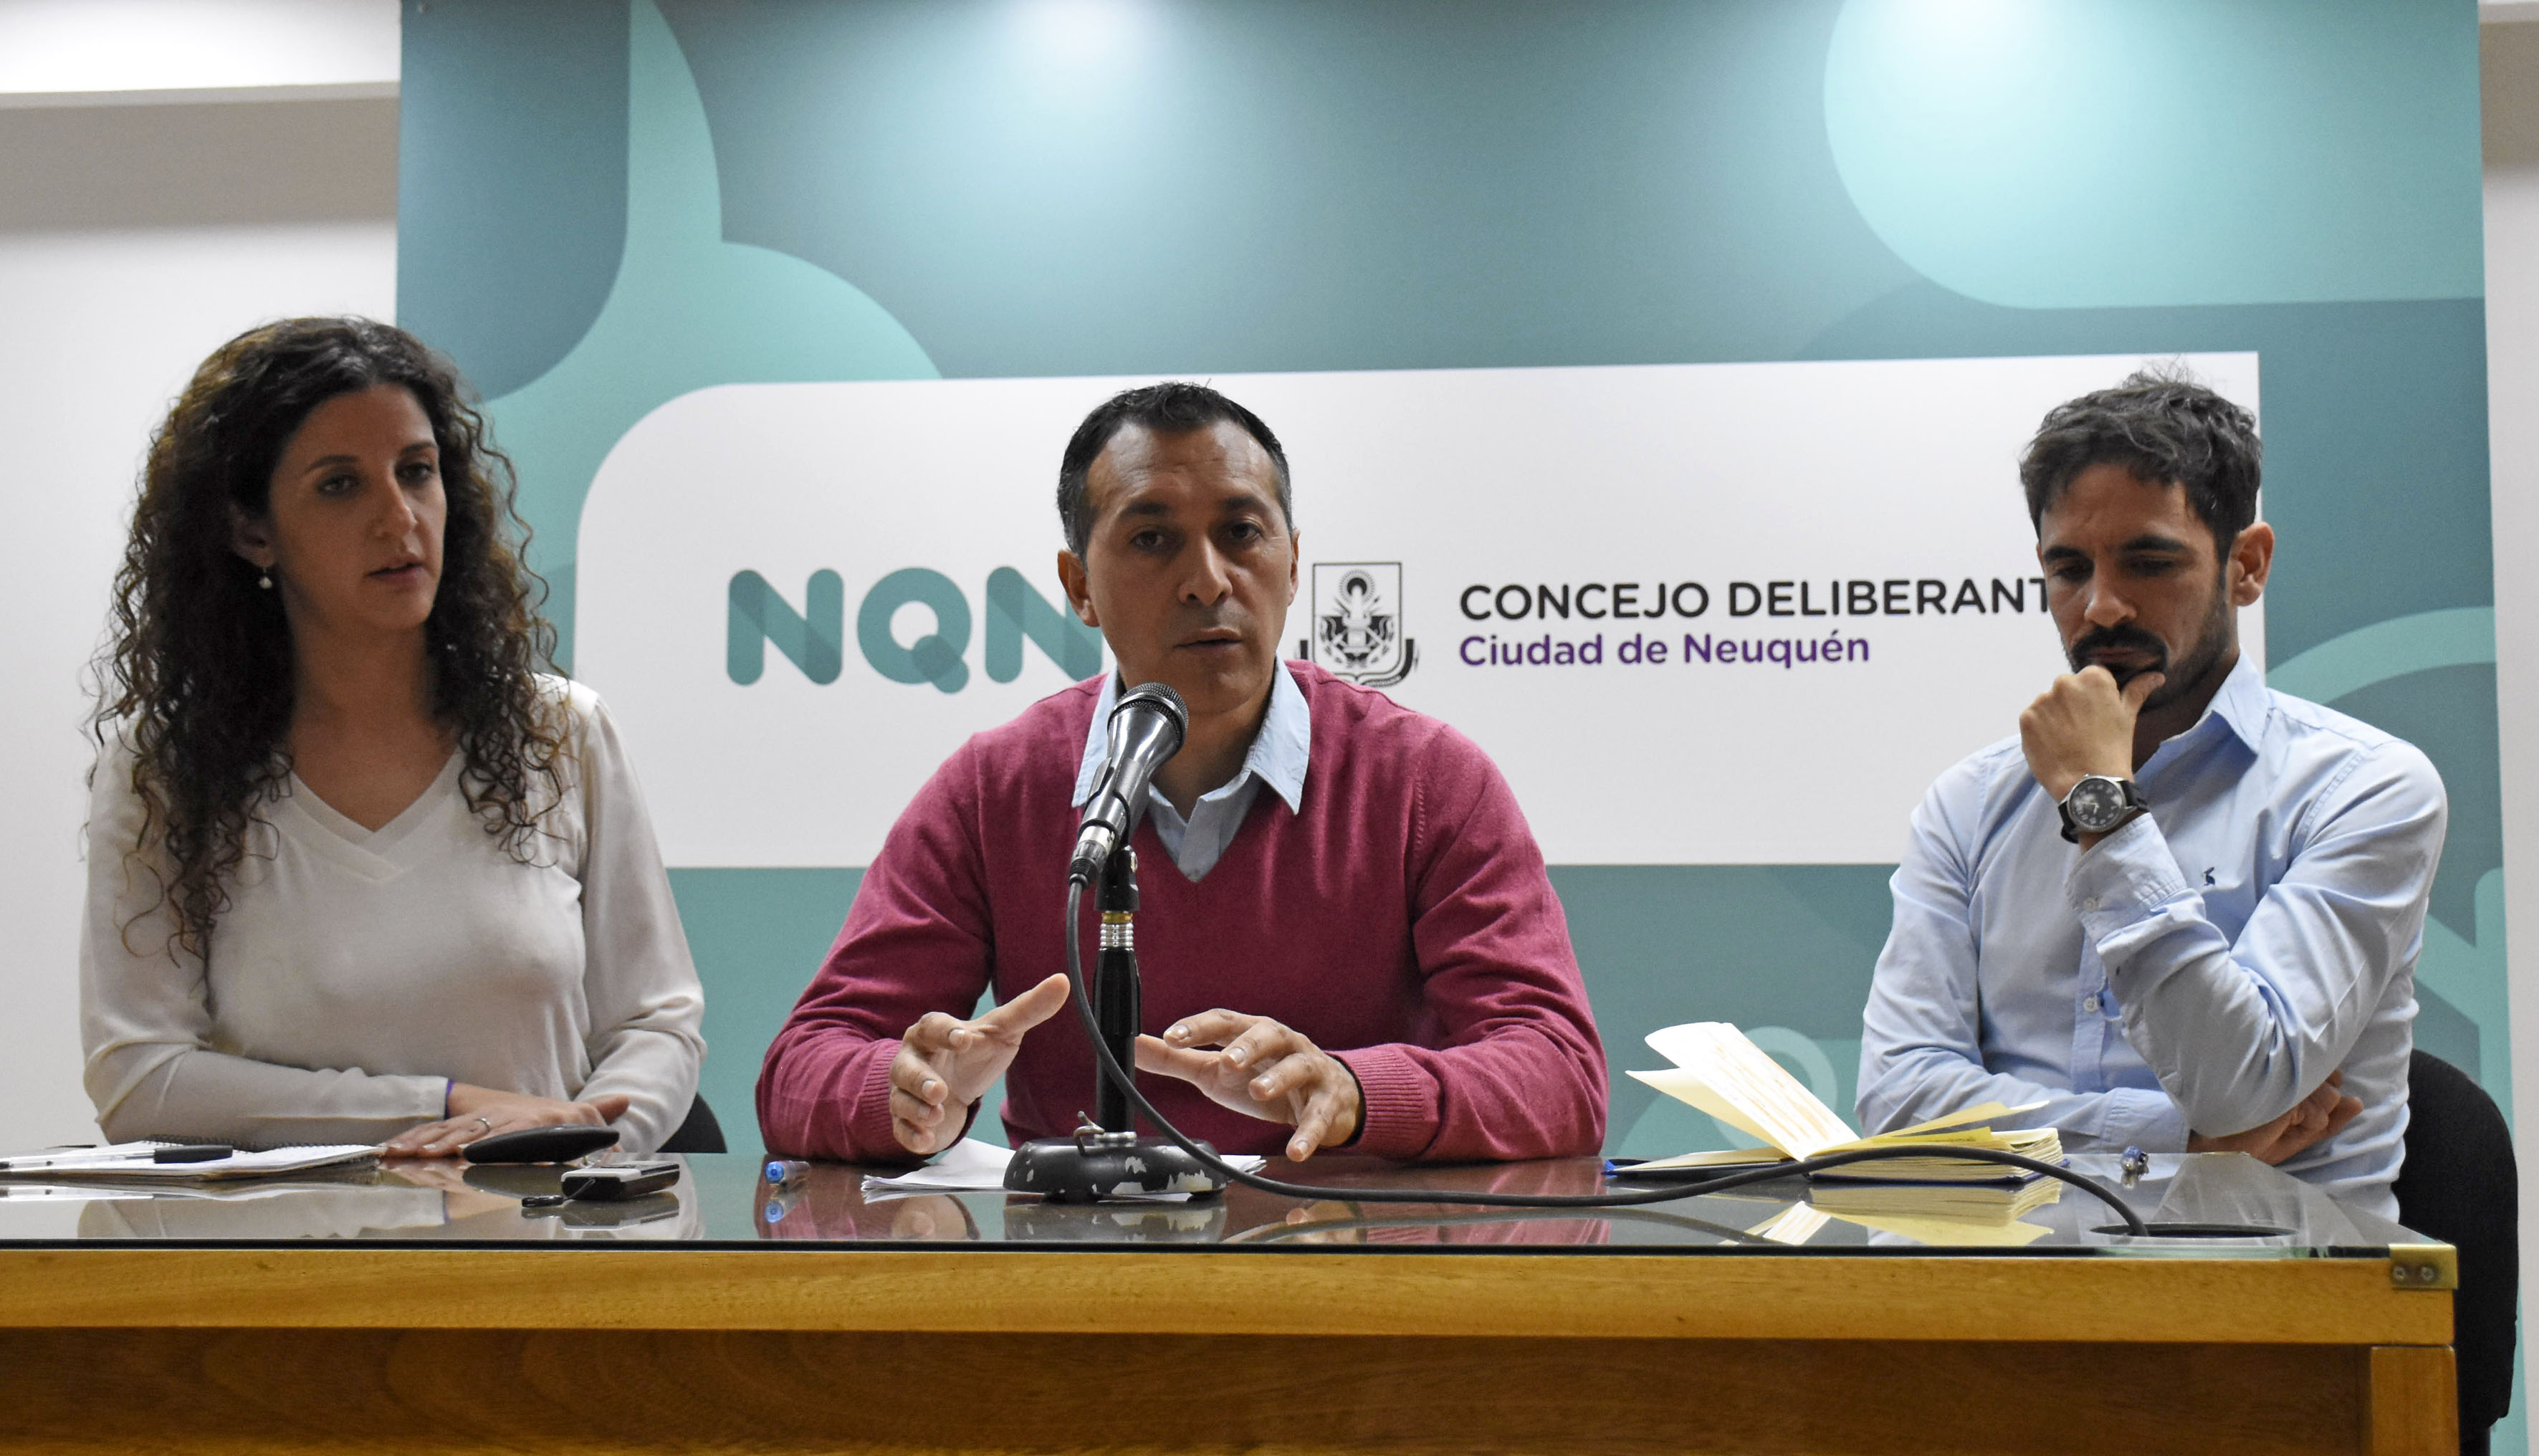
(2096, 802)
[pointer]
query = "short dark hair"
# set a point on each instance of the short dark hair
(2164, 428)
(1173, 407)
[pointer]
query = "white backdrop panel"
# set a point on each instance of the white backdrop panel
(1814, 476)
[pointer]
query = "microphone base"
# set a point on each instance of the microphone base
(1094, 1166)
(1048, 1222)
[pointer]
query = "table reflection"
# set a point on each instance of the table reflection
(407, 1199)
(830, 1204)
(723, 1200)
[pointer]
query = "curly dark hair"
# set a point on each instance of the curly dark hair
(2164, 428)
(198, 676)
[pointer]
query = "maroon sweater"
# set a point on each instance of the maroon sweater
(1403, 920)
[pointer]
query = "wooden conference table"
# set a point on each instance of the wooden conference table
(421, 1308)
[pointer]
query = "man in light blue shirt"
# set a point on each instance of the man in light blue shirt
(2180, 909)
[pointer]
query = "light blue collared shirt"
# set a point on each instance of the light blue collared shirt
(1277, 758)
(2202, 968)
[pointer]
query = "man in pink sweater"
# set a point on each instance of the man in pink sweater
(1368, 954)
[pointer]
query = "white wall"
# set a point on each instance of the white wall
(2510, 63)
(133, 239)
(2510, 87)
(58, 52)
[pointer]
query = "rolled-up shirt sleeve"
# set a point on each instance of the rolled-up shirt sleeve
(2238, 1031)
(1921, 1051)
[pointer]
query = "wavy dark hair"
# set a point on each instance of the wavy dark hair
(198, 676)
(2164, 427)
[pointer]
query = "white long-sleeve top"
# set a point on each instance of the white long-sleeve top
(356, 973)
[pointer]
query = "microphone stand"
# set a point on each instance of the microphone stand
(1117, 999)
(1105, 1158)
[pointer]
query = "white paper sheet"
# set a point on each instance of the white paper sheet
(972, 1167)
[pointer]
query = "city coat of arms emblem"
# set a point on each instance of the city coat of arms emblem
(1357, 628)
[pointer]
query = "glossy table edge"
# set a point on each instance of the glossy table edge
(2350, 1301)
(836, 1210)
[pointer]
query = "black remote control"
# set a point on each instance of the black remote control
(557, 1145)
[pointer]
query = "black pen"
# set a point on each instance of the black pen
(119, 1156)
(191, 1152)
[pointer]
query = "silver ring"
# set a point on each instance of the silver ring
(484, 1122)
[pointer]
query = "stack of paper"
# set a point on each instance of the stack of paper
(1964, 1203)
(968, 1166)
(1795, 1224)
(1718, 1070)
(1960, 1214)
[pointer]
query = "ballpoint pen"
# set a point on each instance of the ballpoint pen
(68, 1154)
(93, 1159)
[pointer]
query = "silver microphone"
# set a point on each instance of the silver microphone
(1147, 729)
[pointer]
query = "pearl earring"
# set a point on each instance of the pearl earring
(265, 580)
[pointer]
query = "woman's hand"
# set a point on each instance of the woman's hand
(458, 1198)
(481, 1112)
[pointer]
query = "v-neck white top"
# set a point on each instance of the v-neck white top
(356, 973)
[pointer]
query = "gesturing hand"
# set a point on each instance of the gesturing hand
(2084, 724)
(1265, 1070)
(944, 1064)
(2314, 1119)
(481, 1112)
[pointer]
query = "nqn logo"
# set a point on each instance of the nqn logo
(815, 638)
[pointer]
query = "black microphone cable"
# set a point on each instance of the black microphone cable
(1121, 1077)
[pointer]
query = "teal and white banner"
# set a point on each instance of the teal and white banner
(1700, 614)
(785, 312)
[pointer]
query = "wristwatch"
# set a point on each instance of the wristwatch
(2098, 805)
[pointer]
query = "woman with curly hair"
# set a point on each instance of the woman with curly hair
(358, 873)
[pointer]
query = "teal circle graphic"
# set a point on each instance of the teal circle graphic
(2067, 153)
